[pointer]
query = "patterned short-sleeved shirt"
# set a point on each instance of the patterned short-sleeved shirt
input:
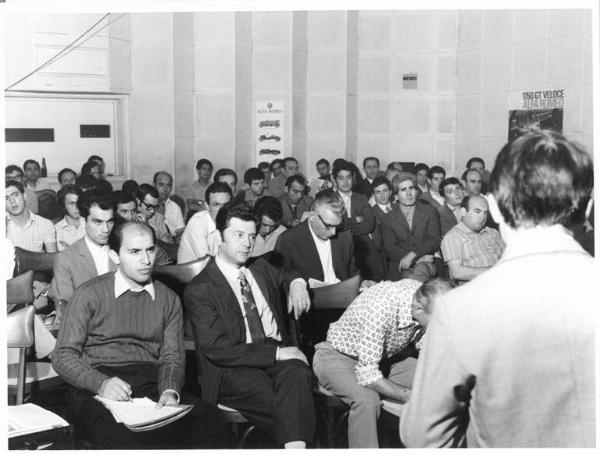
(378, 324)
(34, 236)
(475, 249)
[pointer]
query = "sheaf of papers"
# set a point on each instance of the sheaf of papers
(140, 413)
(30, 418)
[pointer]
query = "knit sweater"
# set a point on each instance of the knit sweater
(101, 330)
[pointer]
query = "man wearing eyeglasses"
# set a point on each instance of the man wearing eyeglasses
(321, 254)
(148, 206)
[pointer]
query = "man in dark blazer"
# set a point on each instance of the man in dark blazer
(411, 235)
(242, 342)
(382, 193)
(450, 212)
(298, 248)
(359, 219)
(318, 251)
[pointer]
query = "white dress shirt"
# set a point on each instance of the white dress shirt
(199, 238)
(232, 274)
(173, 216)
(100, 256)
(324, 250)
(347, 202)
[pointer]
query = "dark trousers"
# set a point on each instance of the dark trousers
(277, 400)
(202, 427)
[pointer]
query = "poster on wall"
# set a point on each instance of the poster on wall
(269, 130)
(539, 109)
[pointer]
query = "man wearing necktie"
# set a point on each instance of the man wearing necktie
(243, 345)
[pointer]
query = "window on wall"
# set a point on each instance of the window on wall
(65, 130)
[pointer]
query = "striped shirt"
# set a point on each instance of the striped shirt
(67, 234)
(475, 249)
(34, 236)
(107, 324)
(378, 324)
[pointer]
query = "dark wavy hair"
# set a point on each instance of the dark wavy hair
(541, 178)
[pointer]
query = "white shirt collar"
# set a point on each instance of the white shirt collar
(121, 286)
(229, 270)
(95, 248)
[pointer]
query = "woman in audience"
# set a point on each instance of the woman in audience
(72, 226)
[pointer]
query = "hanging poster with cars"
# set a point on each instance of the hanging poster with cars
(269, 130)
(541, 109)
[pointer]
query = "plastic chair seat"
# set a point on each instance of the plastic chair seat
(35, 372)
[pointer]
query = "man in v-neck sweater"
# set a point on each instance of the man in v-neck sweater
(122, 337)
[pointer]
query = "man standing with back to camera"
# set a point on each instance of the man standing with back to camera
(509, 357)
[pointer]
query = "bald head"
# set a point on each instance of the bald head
(472, 181)
(475, 212)
(163, 182)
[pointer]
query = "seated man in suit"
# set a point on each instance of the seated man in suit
(470, 248)
(87, 257)
(421, 170)
(242, 342)
(450, 213)
(294, 201)
(382, 193)
(359, 219)
(315, 248)
(510, 359)
(122, 337)
(371, 168)
(411, 235)
(435, 176)
(375, 335)
(319, 252)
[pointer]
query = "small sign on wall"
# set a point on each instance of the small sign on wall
(269, 130)
(409, 81)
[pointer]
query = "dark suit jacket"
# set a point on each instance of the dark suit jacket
(447, 219)
(218, 324)
(298, 251)
(287, 217)
(359, 206)
(399, 239)
(365, 188)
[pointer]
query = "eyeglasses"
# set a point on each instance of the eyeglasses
(268, 227)
(327, 226)
(150, 207)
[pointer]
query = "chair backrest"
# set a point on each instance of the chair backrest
(337, 296)
(177, 276)
(48, 206)
(169, 248)
(36, 261)
(19, 290)
(19, 328)
(19, 334)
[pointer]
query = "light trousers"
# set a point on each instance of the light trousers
(336, 373)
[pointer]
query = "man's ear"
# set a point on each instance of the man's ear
(463, 210)
(114, 256)
(494, 210)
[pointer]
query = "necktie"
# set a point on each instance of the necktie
(252, 317)
(387, 209)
